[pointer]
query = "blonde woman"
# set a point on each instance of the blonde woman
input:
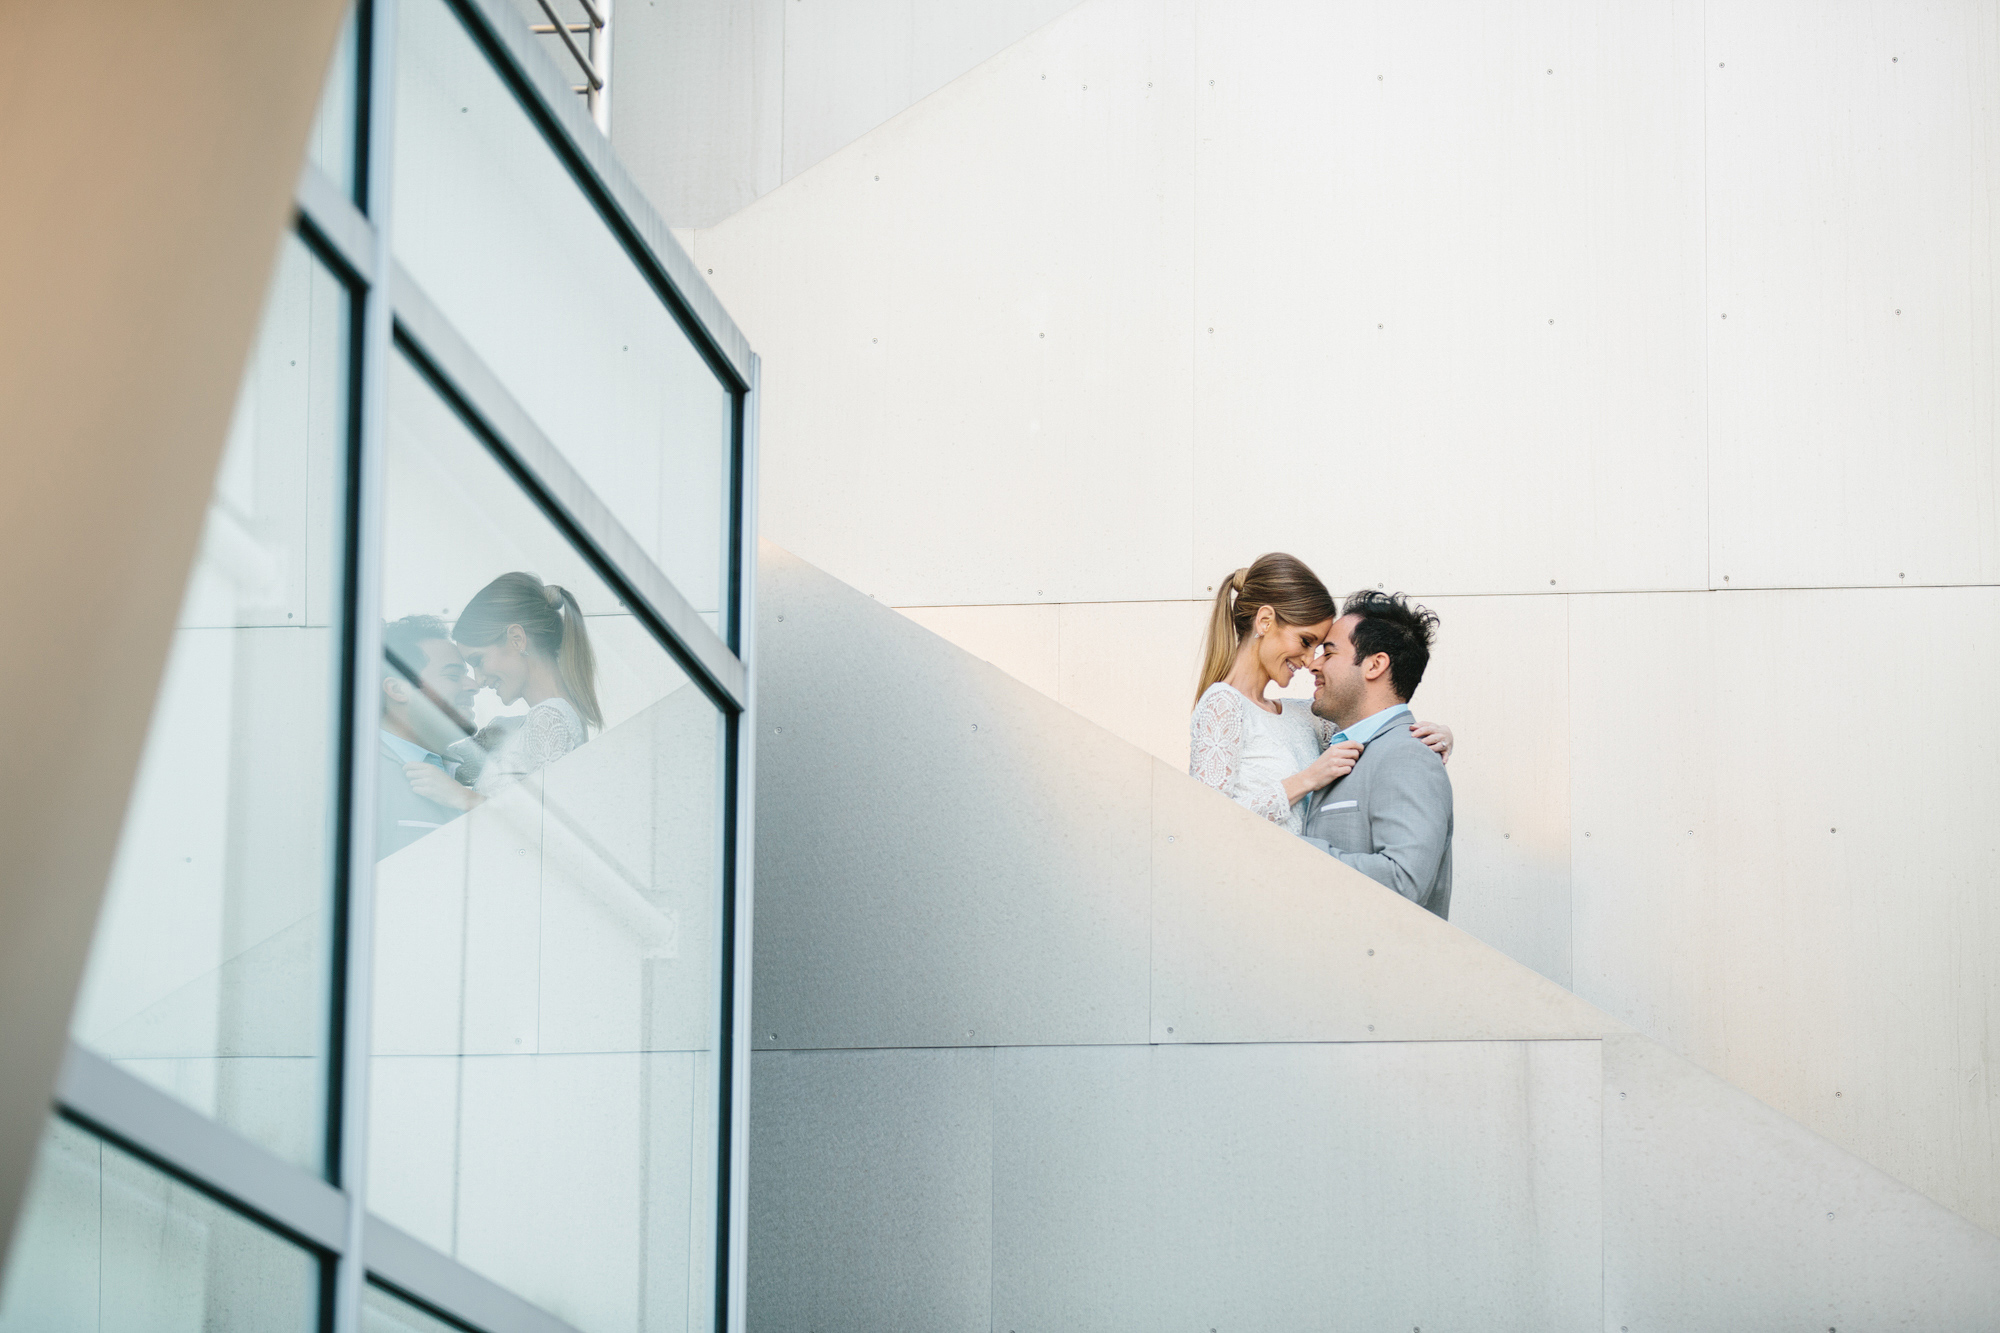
(1265, 754)
(524, 640)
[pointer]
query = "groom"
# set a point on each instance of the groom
(1390, 818)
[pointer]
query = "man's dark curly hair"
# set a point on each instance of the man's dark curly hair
(1390, 623)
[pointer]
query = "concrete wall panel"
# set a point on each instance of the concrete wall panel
(717, 102)
(1500, 679)
(1020, 640)
(1853, 177)
(944, 855)
(1130, 667)
(1259, 937)
(871, 1194)
(1450, 264)
(1720, 1213)
(1788, 879)
(850, 65)
(1295, 1186)
(697, 103)
(980, 313)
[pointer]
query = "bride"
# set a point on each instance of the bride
(1265, 754)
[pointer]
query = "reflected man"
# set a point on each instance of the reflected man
(427, 691)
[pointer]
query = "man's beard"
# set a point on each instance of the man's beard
(1327, 703)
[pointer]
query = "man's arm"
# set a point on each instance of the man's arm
(1410, 818)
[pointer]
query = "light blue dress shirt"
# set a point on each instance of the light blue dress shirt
(412, 753)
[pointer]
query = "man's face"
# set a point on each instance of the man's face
(1338, 686)
(439, 710)
(447, 679)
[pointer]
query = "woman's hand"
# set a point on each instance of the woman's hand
(1436, 735)
(1335, 762)
(434, 784)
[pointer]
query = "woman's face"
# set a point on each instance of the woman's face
(1287, 648)
(501, 666)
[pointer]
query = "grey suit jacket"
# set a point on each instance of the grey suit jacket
(401, 816)
(1391, 818)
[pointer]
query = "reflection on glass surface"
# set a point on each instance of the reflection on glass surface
(209, 972)
(384, 1312)
(543, 1095)
(336, 130)
(107, 1244)
(496, 232)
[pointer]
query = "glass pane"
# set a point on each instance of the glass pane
(545, 906)
(209, 973)
(336, 131)
(107, 1243)
(495, 230)
(382, 1312)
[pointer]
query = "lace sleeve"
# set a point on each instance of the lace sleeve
(1323, 731)
(546, 738)
(1215, 740)
(1215, 737)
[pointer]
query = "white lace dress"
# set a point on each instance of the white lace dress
(1246, 753)
(551, 730)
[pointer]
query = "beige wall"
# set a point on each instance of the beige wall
(147, 176)
(1651, 344)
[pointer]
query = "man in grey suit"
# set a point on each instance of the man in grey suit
(1390, 817)
(427, 692)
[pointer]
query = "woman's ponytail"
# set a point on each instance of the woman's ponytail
(576, 662)
(1279, 581)
(1218, 652)
(549, 616)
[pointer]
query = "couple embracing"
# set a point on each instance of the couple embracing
(1351, 771)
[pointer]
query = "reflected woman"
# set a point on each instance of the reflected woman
(526, 640)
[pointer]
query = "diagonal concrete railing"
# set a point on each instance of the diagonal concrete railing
(1051, 1037)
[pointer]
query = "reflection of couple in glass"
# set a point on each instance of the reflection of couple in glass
(519, 637)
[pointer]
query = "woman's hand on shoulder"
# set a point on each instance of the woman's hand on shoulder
(434, 784)
(1436, 735)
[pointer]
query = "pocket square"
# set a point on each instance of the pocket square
(1340, 805)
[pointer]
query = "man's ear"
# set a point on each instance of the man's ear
(396, 688)
(1376, 667)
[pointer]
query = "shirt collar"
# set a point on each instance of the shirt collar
(1368, 728)
(408, 751)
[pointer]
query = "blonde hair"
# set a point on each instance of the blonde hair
(548, 614)
(1279, 581)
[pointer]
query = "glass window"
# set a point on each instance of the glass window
(551, 823)
(496, 231)
(209, 973)
(107, 1243)
(336, 130)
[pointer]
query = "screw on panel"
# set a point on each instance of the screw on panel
(1371, 953)
(1170, 837)
(1371, 1027)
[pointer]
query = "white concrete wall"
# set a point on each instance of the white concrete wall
(717, 102)
(1049, 1035)
(1651, 344)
